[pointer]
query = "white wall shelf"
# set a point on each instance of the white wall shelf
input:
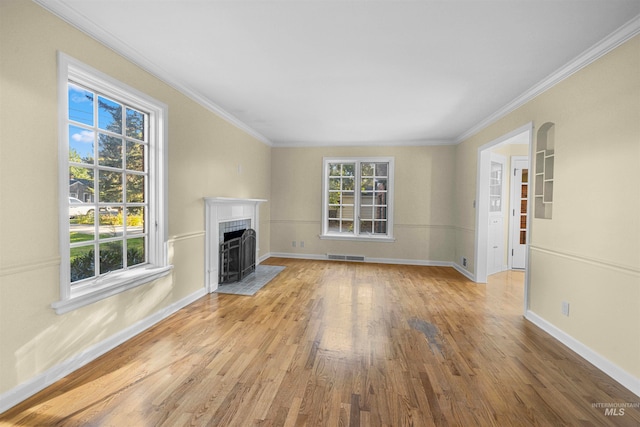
(544, 167)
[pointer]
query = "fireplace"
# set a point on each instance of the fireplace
(237, 255)
(226, 215)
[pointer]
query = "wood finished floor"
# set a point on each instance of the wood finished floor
(340, 344)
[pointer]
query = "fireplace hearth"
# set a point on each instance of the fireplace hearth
(224, 215)
(237, 255)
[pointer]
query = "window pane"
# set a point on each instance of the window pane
(335, 169)
(110, 257)
(110, 223)
(80, 232)
(135, 220)
(335, 212)
(347, 198)
(80, 188)
(110, 187)
(334, 226)
(366, 184)
(347, 184)
(80, 105)
(495, 188)
(380, 212)
(82, 263)
(334, 183)
(347, 227)
(81, 145)
(135, 124)
(135, 156)
(349, 169)
(109, 151)
(109, 115)
(366, 169)
(380, 227)
(382, 169)
(366, 212)
(347, 212)
(366, 226)
(366, 199)
(135, 251)
(135, 188)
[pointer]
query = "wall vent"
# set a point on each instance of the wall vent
(345, 257)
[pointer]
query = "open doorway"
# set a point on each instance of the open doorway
(518, 212)
(495, 224)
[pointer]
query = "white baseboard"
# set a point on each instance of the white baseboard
(605, 365)
(53, 374)
(425, 263)
(366, 259)
(398, 261)
(297, 256)
(464, 271)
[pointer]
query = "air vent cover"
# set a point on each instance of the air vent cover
(345, 257)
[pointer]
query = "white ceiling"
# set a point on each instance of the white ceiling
(351, 72)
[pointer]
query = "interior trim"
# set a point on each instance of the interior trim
(605, 365)
(10, 270)
(604, 46)
(55, 373)
(593, 261)
(94, 31)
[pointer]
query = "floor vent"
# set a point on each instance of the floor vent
(345, 257)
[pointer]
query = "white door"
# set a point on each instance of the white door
(496, 239)
(519, 196)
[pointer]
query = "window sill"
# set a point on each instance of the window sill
(353, 238)
(107, 286)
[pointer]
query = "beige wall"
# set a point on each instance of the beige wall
(589, 253)
(204, 154)
(423, 214)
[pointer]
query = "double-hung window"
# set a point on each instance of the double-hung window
(112, 186)
(358, 198)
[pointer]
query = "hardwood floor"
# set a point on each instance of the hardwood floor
(340, 344)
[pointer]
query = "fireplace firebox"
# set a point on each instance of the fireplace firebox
(237, 255)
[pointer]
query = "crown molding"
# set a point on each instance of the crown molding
(84, 24)
(604, 46)
(393, 143)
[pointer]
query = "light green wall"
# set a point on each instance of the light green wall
(423, 202)
(588, 254)
(204, 152)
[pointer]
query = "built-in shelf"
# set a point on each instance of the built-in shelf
(544, 167)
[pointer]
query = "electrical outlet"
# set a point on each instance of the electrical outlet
(565, 308)
(302, 244)
(293, 244)
(464, 262)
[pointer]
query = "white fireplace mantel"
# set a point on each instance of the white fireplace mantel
(223, 209)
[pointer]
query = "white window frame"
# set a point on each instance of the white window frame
(356, 235)
(104, 286)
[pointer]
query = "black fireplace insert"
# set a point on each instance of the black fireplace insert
(237, 255)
